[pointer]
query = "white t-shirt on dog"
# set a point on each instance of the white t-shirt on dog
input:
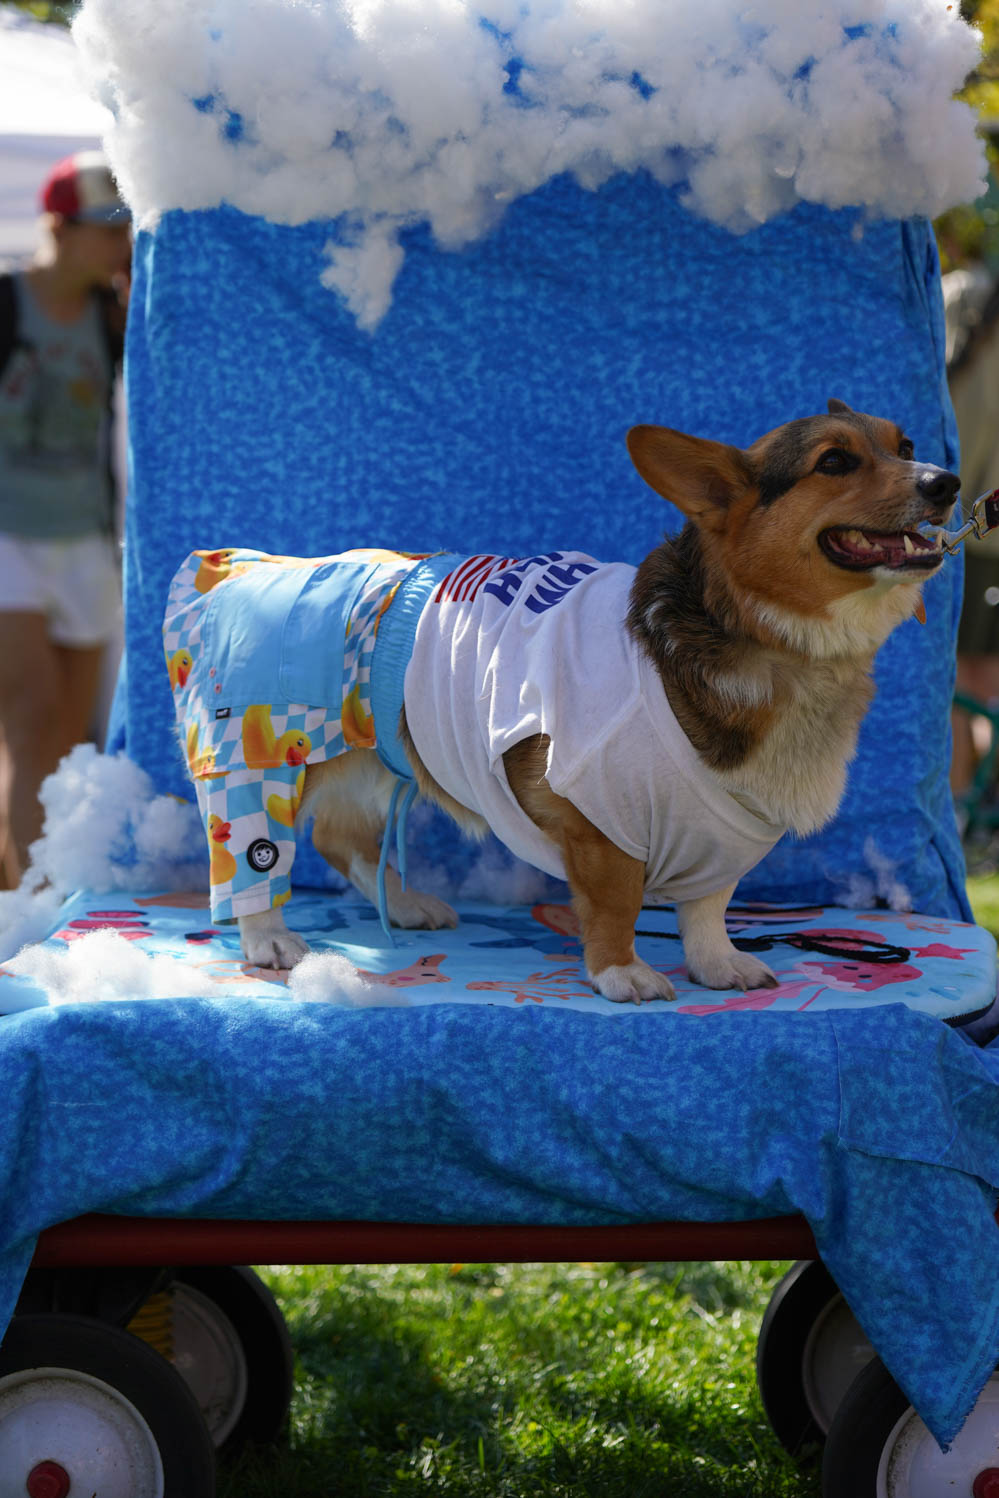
(507, 649)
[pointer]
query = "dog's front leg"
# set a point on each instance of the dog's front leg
(711, 957)
(267, 942)
(608, 886)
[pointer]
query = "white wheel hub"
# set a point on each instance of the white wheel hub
(70, 1420)
(209, 1356)
(913, 1466)
(835, 1352)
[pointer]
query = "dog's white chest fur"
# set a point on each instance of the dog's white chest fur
(797, 773)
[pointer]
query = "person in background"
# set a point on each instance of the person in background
(973, 375)
(62, 325)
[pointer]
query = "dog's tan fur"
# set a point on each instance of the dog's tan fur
(764, 638)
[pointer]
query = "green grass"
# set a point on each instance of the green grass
(530, 1381)
(983, 892)
(527, 1381)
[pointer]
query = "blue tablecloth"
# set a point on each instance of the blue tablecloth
(879, 1126)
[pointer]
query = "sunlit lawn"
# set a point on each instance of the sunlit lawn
(983, 892)
(578, 1380)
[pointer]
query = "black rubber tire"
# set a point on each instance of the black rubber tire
(806, 1296)
(876, 1422)
(248, 1311)
(867, 1415)
(132, 1372)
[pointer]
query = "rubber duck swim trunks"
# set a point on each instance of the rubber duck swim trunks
(274, 623)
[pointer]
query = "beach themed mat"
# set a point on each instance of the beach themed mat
(506, 955)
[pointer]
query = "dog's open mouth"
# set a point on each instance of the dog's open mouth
(899, 550)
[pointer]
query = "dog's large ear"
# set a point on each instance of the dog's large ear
(700, 477)
(839, 408)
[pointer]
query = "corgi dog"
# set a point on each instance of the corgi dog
(649, 731)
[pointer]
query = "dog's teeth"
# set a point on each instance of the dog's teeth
(909, 545)
(858, 539)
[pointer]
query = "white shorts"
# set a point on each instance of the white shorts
(74, 583)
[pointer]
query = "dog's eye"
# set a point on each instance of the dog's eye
(836, 460)
(906, 451)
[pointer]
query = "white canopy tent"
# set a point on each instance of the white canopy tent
(44, 115)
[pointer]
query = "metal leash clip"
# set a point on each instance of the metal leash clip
(984, 518)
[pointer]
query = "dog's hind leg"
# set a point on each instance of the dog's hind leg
(349, 799)
(711, 957)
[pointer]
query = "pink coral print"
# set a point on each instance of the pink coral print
(423, 970)
(564, 983)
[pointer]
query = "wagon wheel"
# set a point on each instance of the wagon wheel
(231, 1346)
(879, 1448)
(87, 1408)
(809, 1351)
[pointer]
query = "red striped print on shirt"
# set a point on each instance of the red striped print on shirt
(465, 581)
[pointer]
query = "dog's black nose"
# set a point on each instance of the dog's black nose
(938, 486)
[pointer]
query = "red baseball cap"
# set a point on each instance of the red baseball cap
(81, 187)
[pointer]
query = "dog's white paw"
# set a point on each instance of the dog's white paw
(267, 942)
(632, 983)
(730, 968)
(413, 910)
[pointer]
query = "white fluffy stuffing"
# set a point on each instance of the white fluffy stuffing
(390, 112)
(106, 965)
(879, 882)
(327, 977)
(105, 829)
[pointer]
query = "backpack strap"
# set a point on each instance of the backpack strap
(112, 320)
(111, 316)
(9, 339)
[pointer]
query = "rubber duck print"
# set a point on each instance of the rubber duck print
(284, 809)
(179, 666)
(221, 864)
(262, 749)
(201, 763)
(215, 568)
(357, 724)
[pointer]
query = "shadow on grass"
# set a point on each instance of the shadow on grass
(373, 1418)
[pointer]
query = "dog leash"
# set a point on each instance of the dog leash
(984, 518)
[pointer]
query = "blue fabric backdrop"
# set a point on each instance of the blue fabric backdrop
(488, 412)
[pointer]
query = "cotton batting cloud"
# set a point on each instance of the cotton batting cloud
(328, 977)
(105, 828)
(381, 114)
(878, 883)
(103, 965)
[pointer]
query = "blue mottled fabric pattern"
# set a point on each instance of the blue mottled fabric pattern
(488, 412)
